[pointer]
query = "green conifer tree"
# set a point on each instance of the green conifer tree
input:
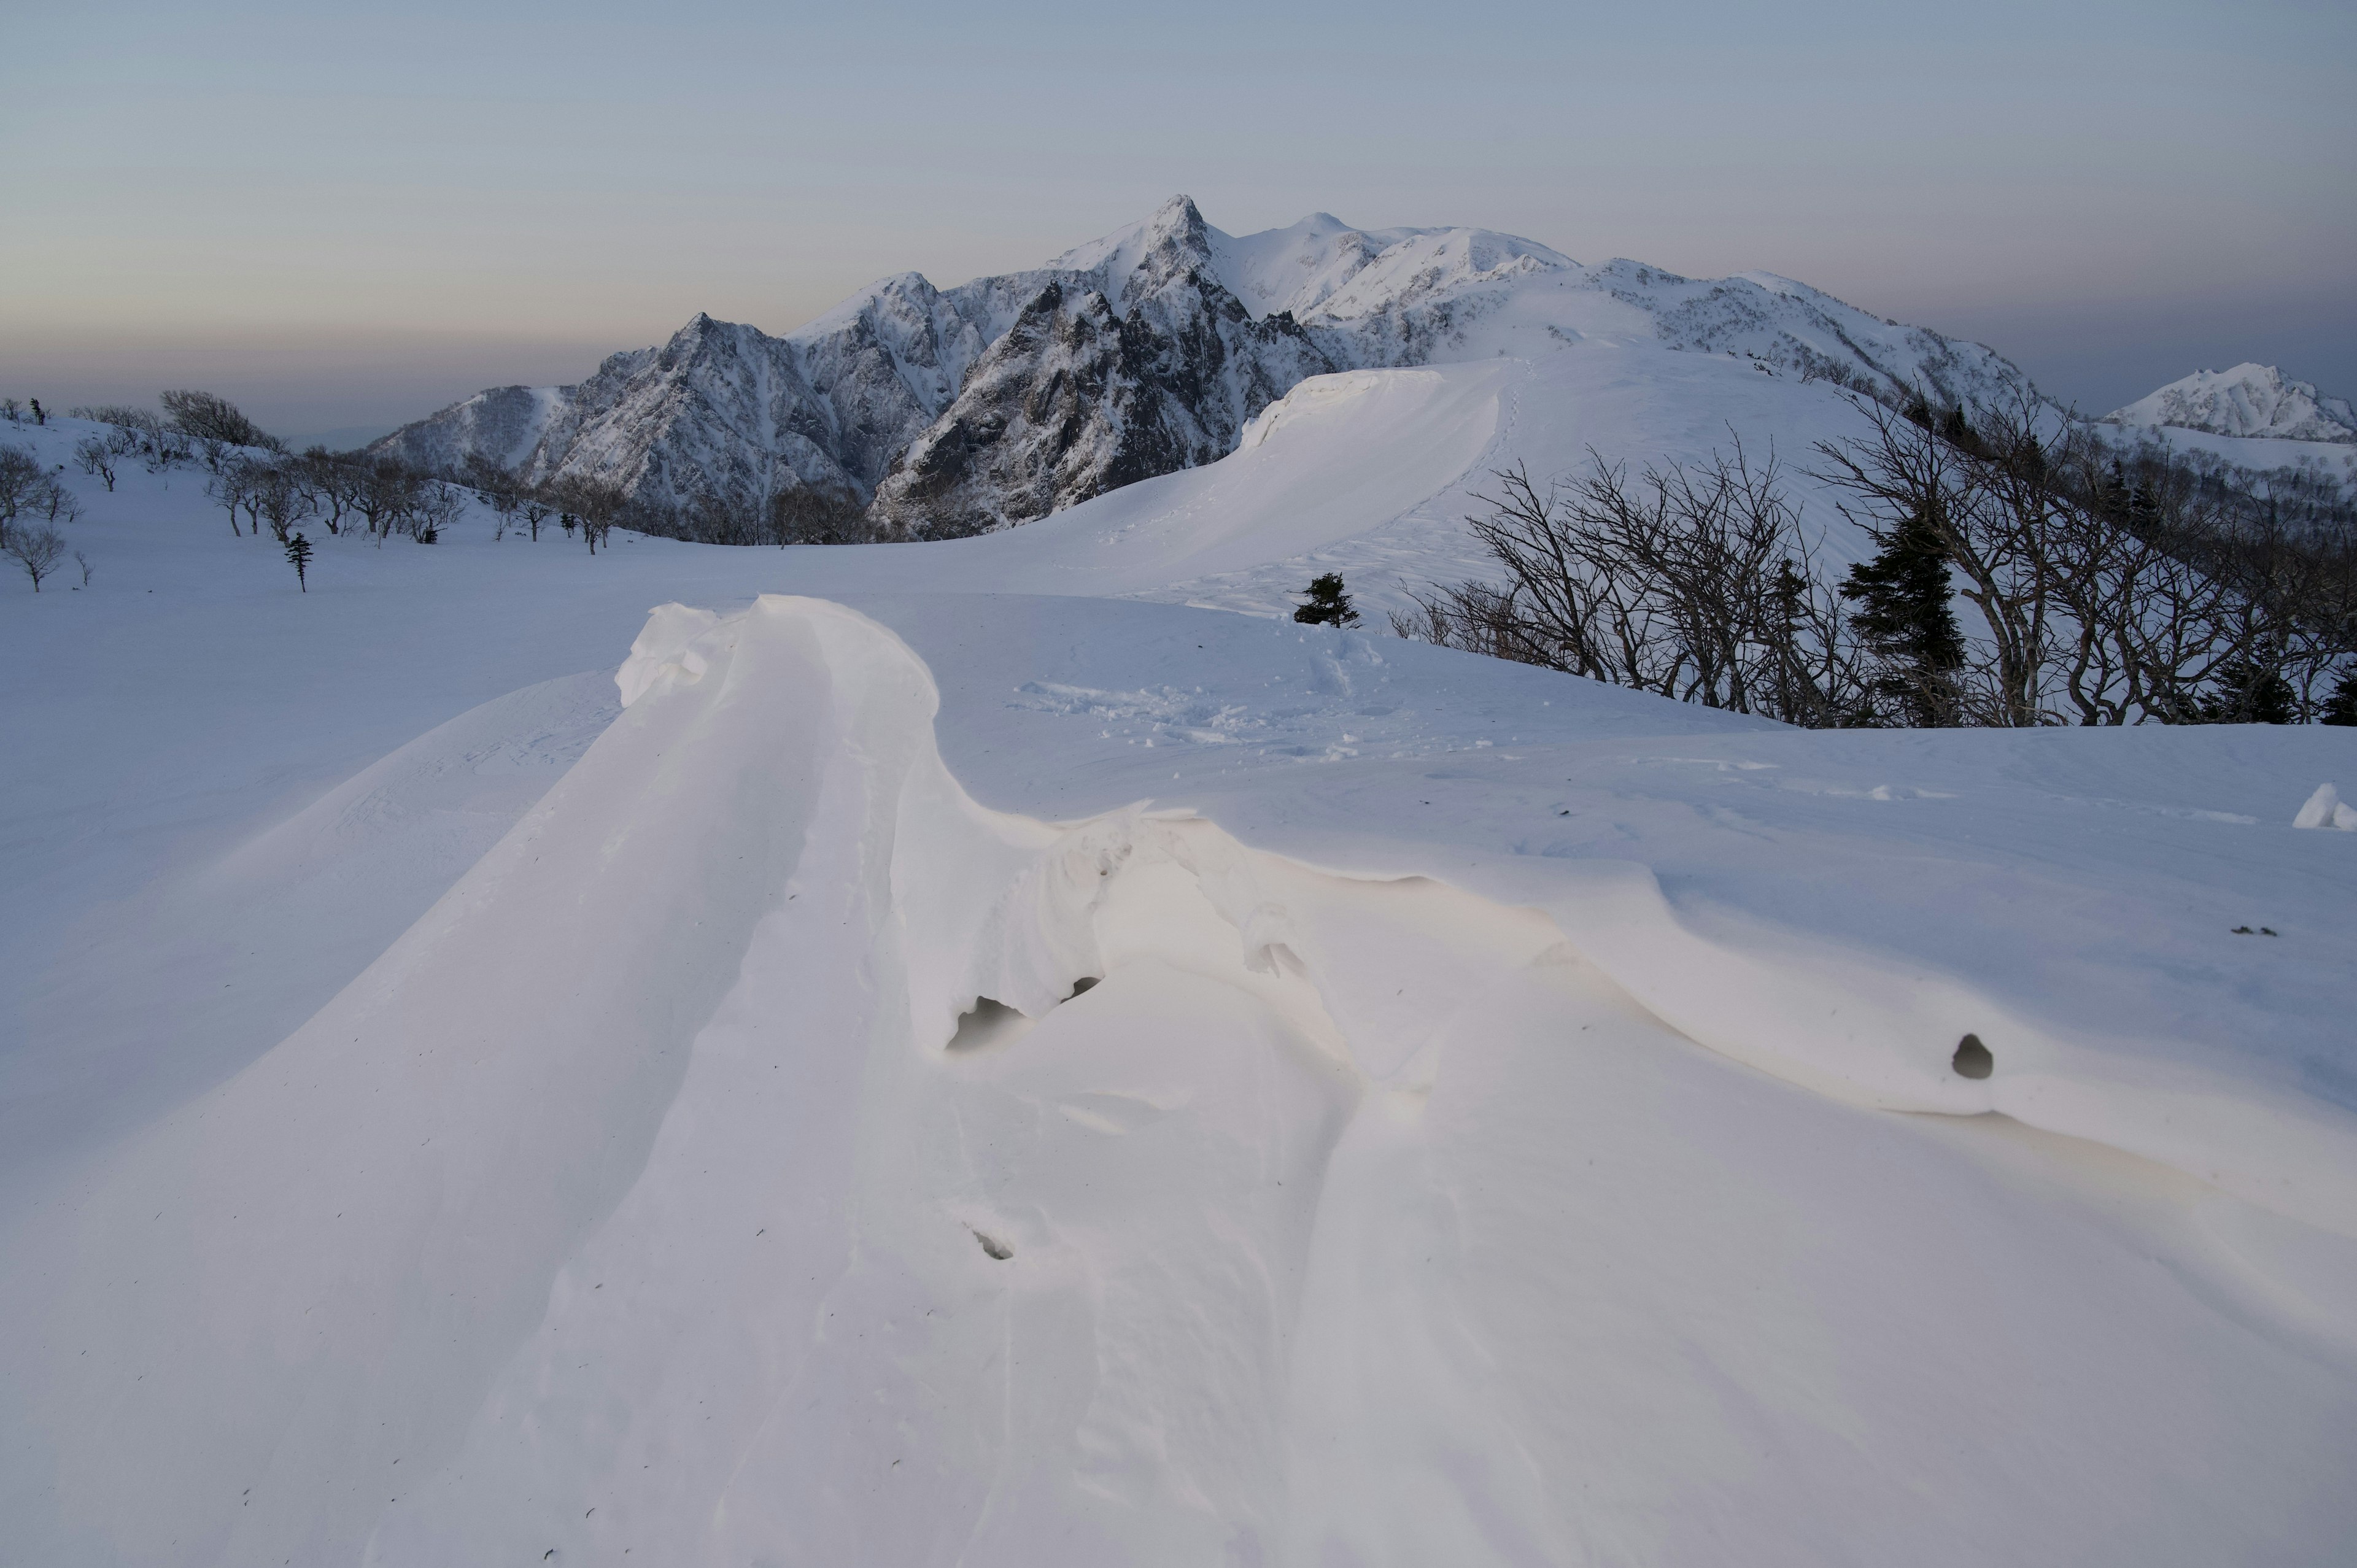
(2340, 708)
(1906, 619)
(2250, 692)
(299, 556)
(1328, 605)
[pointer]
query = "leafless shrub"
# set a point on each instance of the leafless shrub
(807, 516)
(23, 482)
(37, 550)
(122, 415)
(1694, 583)
(436, 505)
(2104, 596)
(279, 498)
(228, 489)
(203, 416)
(96, 458)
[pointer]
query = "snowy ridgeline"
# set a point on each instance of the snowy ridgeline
(1005, 399)
(951, 411)
(2247, 402)
(971, 1065)
(2253, 418)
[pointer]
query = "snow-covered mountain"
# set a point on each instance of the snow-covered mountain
(2249, 401)
(1142, 353)
(462, 1103)
(2251, 418)
(1133, 359)
(2244, 402)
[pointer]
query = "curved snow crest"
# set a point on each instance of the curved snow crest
(733, 1166)
(1858, 1030)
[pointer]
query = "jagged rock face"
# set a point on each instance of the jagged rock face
(979, 407)
(725, 416)
(1076, 399)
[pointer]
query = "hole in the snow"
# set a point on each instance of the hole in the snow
(1083, 984)
(993, 1246)
(986, 1022)
(1972, 1058)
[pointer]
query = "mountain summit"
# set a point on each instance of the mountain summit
(2249, 399)
(966, 410)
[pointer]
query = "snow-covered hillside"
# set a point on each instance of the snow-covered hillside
(493, 1074)
(1142, 353)
(2247, 401)
(2252, 417)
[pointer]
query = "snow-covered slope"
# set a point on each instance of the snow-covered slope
(449, 1116)
(1140, 354)
(2251, 417)
(2247, 401)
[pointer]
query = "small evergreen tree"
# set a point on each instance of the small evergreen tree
(1906, 619)
(299, 556)
(1328, 605)
(2340, 708)
(2249, 691)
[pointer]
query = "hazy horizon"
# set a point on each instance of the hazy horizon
(344, 220)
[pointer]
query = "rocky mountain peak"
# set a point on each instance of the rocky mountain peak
(953, 411)
(2249, 399)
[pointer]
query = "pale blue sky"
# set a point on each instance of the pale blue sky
(347, 216)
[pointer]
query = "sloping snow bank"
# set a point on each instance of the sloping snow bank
(733, 1167)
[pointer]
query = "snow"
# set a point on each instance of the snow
(494, 1069)
(2248, 401)
(2325, 810)
(932, 394)
(2252, 416)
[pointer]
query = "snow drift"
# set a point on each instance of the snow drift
(767, 1153)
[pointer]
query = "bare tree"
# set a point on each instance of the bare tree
(167, 450)
(2102, 598)
(810, 516)
(37, 550)
(382, 493)
(1994, 521)
(279, 498)
(23, 482)
(599, 507)
(438, 505)
(1695, 583)
(329, 480)
(96, 458)
(228, 489)
(201, 415)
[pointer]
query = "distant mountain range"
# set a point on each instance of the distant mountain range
(953, 412)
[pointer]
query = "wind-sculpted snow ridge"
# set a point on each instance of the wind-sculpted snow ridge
(768, 1154)
(1143, 353)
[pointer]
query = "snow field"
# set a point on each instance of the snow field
(665, 1189)
(439, 1139)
